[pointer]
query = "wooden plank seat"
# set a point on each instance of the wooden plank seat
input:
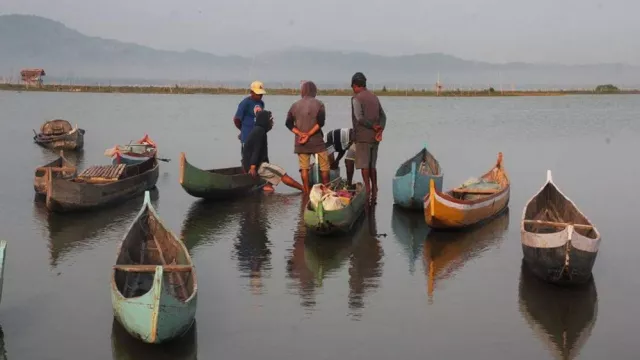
(557, 224)
(102, 173)
(152, 268)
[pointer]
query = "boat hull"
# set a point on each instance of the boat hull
(445, 212)
(73, 140)
(555, 258)
(60, 167)
(337, 221)
(128, 159)
(3, 256)
(216, 185)
(66, 196)
(410, 186)
(156, 316)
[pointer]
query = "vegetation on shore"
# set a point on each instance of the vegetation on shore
(176, 89)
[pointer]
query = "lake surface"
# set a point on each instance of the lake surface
(267, 290)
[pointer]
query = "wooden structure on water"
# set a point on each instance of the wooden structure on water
(32, 77)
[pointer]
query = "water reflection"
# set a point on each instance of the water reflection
(3, 349)
(72, 233)
(252, 242)
(126, 347)
(562, 317)
(410, 230)
(365, 264)
(204, 221)
(315, 258)
(446, 252)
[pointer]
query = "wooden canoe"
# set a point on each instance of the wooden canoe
(133, 153)
(562, 317)
(59, 135)
(324, 222)
(216, 184)
(463, 207)
(60, 168)
(100, 186)
(559, 243)
(445, 253)
(3, 257)
(411, 182)
(153, 284)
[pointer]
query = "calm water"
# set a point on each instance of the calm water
(268, 290)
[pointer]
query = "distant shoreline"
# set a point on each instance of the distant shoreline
(187, 90)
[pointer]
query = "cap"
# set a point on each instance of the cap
(258, 87)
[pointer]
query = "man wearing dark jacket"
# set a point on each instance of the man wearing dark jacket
(369, 121)
(255, 155)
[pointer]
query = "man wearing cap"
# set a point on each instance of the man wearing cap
(245, 116)
(369, 121)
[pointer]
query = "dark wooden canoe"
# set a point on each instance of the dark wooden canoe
(60, 168)
(100, 186)
(216, 184)
(559, 243)
(324, 222)
(59, 135)
(562, 317)
(154, 290)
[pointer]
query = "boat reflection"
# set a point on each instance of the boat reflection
(72, 233)
(205, 220)
(410, 230)
(562, 317)
(3, 349)
(446, 252)
(315, 258)
(126, 347)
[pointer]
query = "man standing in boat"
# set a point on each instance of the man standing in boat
(369, 121)
(255, 155)
(340, 141)
(245, 116)
(305, 119)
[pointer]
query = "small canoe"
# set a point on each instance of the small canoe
(559, 243)
(59, 135)
(154, 290)
(315, 177)
(3, 257)
(470, 204)
(133, 153)
(99, 186)
(411, 182)
(61, 168)
(341, 221)
(562, 317)
(216, 184)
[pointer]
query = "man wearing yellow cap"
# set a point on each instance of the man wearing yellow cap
(245, 116)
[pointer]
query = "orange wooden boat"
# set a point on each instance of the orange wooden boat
(470, 203)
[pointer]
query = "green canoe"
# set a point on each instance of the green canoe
(324, 222)
(216, 184)
(153, 284)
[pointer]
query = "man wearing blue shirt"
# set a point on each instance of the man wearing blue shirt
(245, 117)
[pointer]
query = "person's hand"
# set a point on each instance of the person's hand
(252, 171)
(303, 138)
(378, 130)
(239, 136)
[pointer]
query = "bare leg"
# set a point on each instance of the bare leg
(304, 174)
(287, 180)
(373, 173)
(268, 188)
(325, 177)
(367, 183)
(350, 165)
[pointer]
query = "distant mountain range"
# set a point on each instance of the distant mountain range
(68, 55)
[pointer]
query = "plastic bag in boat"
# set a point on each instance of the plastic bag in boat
(316, 193)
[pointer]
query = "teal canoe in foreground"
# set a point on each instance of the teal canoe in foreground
(3, 256)
(411, 182)
(341, 221)
(153, 284)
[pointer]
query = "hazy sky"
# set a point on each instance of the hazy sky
(565, 31)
